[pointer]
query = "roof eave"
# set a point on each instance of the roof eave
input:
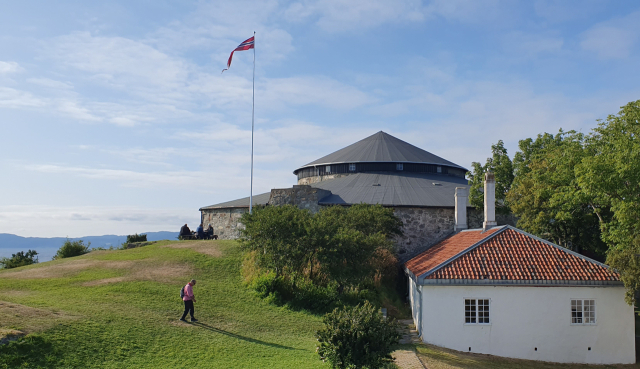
(360, 162)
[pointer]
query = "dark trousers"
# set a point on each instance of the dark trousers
(188, 308)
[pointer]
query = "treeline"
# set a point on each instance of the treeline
(581, 191)
(312, 259)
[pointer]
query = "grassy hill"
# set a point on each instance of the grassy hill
(120, 309)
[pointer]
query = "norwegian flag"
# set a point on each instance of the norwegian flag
(245, 45)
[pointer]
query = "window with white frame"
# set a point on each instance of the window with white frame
(476, 311)
(352, 167)
(583, 312)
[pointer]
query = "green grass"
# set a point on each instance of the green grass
(133, 322)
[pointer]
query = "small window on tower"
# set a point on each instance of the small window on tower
(352, 167)
(399, 166)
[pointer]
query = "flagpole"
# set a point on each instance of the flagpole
(253, 106)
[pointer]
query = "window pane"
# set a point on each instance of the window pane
(576, 311)
(589, 311)
(483, 311)
(470, 311)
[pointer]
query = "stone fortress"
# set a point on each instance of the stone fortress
(423, 190)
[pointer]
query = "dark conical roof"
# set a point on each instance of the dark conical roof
(381, 147)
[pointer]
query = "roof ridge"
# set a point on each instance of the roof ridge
(563, 249)
(463, 252)
(381, 147)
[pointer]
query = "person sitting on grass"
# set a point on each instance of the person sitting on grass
(185, 232)
(189, 299)
(200, 232)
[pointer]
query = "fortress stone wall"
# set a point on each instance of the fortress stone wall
(422, 227)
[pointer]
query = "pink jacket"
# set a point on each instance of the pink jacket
(188, 293)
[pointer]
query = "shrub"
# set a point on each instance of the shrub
(72, 248)
(136, 238)
(357, 337)
(19, 259)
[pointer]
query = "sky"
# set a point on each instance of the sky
(115, 117)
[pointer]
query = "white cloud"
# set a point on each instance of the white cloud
(72, 109)
(120, 62)
(349, 15)
(340, 15)
(47, 82)
(310, 90)
(614, 39)
(529, 45)
(9, 67)
(12, 98)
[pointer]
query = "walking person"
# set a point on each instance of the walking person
(189, 299)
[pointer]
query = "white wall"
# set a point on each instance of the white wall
(414, 301)
(523, 318)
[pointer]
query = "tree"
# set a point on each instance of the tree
(357, 337)
(72, 248)
(546, 196)
(627, 261)
(610, 175)
(338, 244)
(500, 164)
(278, 234)
(19, 259)
(136, 238)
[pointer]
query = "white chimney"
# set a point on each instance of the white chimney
(461, 208)
(489, 201)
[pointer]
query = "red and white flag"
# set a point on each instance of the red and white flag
(245, 45)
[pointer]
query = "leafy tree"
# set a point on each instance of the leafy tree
(546, 196)
(347, 240)
(136, 238)
(338, 244)
(610, 175)
(19, 259)
(72, 248)
(627, 261)
(278, 235)
(357, 337)
(500, 164)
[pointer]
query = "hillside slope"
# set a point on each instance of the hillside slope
(120, 309)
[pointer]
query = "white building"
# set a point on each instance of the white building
(502, 291)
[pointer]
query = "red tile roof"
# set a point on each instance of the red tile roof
(445, 250)
(507, 255)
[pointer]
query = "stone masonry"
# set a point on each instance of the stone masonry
(302, 196)
(423, 227)
(316, 179)
(225, 221)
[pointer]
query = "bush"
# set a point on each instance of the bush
(335, 245)
(19, 259)
(136, 238)
(72, 248)
(357, 337)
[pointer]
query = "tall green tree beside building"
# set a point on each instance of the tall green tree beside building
(500, 164)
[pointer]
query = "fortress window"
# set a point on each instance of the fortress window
(399, 166)
(352, 167)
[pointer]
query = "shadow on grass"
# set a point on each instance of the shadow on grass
(248, 339)
(30, 351)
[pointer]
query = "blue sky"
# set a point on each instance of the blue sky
(115, 118)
